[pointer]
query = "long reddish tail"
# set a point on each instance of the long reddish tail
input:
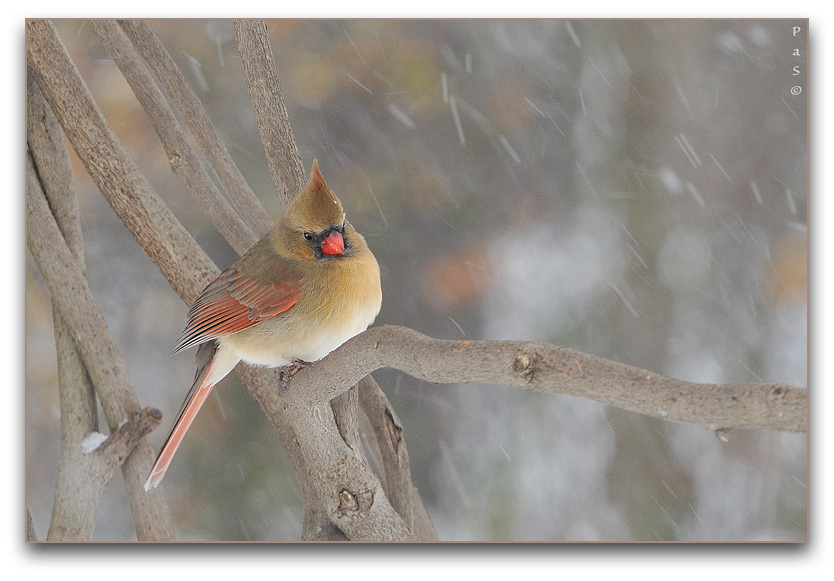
(213, 364)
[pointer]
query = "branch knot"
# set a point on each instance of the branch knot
(526, 364)
(355, 504)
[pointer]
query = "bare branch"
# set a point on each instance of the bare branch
(70, 293)
(388, 437)
(551, 369)
(387, 431)
(90, 472)
(285, 166)
(118, 446)
(261, 383)
(330, 467)
(48, 146)
(349, 491)
(30, 528)
(346, 413)
(160, 235)
(196, 118)
(270, 112)
(181, 156)
(76, 393)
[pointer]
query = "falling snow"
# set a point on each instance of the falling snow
(635, 190)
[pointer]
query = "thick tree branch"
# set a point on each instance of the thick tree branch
(393, 452)
(551, 369)
(72, 295)
(288, 175)
(76, 393)
(343, 499)
(30, 528)
(69, 291)
(87, 474)
(351, 494)
(262, 383)
(160, 235)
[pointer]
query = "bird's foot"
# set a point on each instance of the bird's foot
(289, 370)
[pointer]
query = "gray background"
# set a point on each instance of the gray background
(632, 189)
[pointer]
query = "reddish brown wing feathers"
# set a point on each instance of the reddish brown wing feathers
(235, 301)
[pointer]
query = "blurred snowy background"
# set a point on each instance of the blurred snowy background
(632, 189)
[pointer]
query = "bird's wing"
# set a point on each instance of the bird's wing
(235, 301)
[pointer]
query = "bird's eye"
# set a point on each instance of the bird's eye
(308, 237)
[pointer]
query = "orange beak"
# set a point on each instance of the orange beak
(333, 243)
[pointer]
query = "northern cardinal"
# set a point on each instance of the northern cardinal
(305, 288)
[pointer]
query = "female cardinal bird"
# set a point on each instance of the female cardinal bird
(305, 288)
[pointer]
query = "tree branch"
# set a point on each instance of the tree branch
(342, 496)
(73, 298)
(270, 112)
(160, 235)
(288, 175)
(261, 383)
(181, 156)
(343, 499)
(551, 369)
(196, 118)
(87, 474)
(76, 393)
(396, 467)
(351, 494)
